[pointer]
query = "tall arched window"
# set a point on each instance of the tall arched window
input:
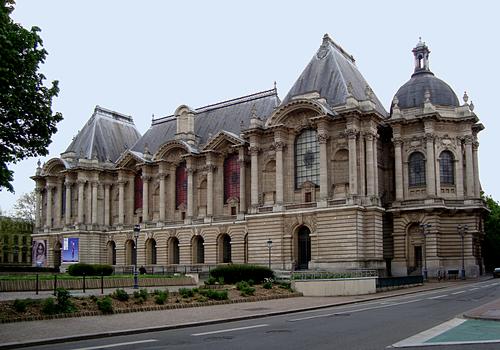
(306, 158)
(416, 169)
(446, 168)
(180, 184)
(138, 191)
(231, 177)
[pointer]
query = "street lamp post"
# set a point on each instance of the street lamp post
(137, 231)
(425, 230)
(462, 231)
(269, 246)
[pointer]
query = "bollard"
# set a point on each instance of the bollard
(36, 284)
(102, 282)
(163, 270)
(83, 282)
(55, 284)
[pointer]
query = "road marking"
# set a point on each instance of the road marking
(422, 337)
(438, 296)
(229, 330)
(353, 311)
(118, 344)
(459, 292)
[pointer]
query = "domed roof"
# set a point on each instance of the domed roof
(412, 93)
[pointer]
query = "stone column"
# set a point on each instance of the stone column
(48, 220)
(323, 166)
(353, 164)
(58, 222)
(171, 184)
(370, 174)
(121, 202)
(107, 203)
(437, 174)
(477, 185)
(81, 190)
(243, 200)
(279, 146)
(145, 197)
(362, 167)
(94, 202)
(254, 152)
(67, 209)
(210, 187)
(88, 208)
(469, 166)
(190, 190)
(398, 166)
(430, 168)
(375, 162)
(38, 207)
(162, 197)
(459, 175)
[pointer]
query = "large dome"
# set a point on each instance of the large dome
(412, 93)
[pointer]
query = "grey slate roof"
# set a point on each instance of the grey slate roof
(329, 72)
(105, 136)
(232, 116)
(411, 94)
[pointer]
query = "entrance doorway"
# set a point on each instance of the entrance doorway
(303, 248)
(418, 257)
(57, 255)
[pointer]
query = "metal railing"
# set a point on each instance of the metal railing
(324, 275)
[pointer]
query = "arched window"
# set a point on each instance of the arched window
(446, 168)
(416, 169)
(138, 191)
(306, 158)
(231, 177)
(111, 253)
(151, 252)
(173, 250)
(198, 250)
(180, 184)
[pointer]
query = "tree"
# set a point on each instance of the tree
(491, 243)
(25, 207)
(26, 119)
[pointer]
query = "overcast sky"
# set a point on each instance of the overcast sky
(148, 57)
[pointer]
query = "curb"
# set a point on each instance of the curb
(15, 345)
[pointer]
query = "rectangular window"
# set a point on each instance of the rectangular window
(308, 197)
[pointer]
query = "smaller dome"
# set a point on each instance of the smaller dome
(412, 93)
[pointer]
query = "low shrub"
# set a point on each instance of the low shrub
(267, 285)
(161, 297)
(211, 281)
(214, 294)
(49, 307)
(186, 293)
(120, 294)
(20, 305)
(105, 305)
(245, 288)
(81, 269)
(64, 301)
(141, 294)
(233, 273)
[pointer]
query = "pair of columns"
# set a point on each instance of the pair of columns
(368, 162)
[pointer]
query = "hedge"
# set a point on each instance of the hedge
(234, 273)
(81, 269)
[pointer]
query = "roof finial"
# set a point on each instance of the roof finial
(466, 97)
(471, 106)
(350, 89)
(152, 117)
(369, 92)
(275, 85)
(395, 102)
(427, 96)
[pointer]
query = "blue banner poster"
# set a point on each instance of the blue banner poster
(70, 250)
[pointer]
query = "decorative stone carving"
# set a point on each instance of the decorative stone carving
(323, 138)
(279, 145)
(254, 150)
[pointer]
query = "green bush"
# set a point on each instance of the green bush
(141, 294)
(64, 303)
(214, 294)
(161, 297)
(20, 305)
(238, 272)
(49, 307)
(245, 288)
(81, 269)
(105, 305)
(211, 281)
(186, 292)
(120, 294)
(267, 285)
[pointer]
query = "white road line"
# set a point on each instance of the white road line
(118, 344)
(459, 292)
(352, 311)
(421, 338)
(439, 296)
(229, 330)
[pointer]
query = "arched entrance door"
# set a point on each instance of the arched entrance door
(416, 250)
(151, 252)
(57, 255)
(303, 248)
(111, 253)
(173, 250)
(198, 250)
(224, 247)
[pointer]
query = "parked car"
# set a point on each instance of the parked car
(496, 272)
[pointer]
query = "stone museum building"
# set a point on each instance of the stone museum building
(326, 173)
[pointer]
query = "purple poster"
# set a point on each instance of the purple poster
(70, 250)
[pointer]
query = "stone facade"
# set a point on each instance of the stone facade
(327, 174)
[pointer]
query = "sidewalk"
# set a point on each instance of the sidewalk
(57, 330)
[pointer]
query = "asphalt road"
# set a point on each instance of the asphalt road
(369, 325)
